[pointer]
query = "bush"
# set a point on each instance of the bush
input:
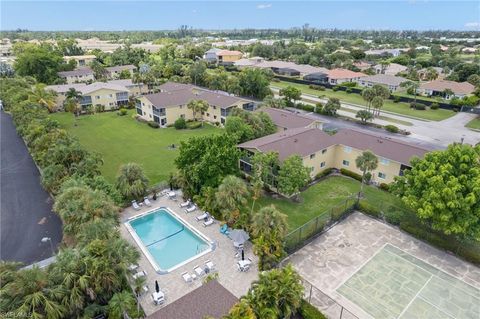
(349, 84)
(434, 106)
(351, 174)
(194, 125)
(417, 106)
(99, 108)
(316, 87)
(349, 90)
(335, 88)
(392, 128)
(153, 124)
(319, 108)
(369, 209)
(324, 173)
(396, 99)
(122, 112)
(307, 311)
(180, 124)
(384, 186)
(305, 107)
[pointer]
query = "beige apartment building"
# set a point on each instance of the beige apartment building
(113, 72)
(82, 75)
(82, 60)
(320, 151)
(171, 102)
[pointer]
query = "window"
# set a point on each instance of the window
(324, 151)
(208, 114)
(312, 156)
(98, 97)
(312, 168)
(384, 161)
(150, 115)
(144, 113)
(382, 175)
(214, 107)
(322, 164)
(345, 163)
(110, 95)
(347, 149)
(182, 116)
(214, 117)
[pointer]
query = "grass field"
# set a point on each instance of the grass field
(121, 139)
(390, 106)
(324, 195)
(474, 124)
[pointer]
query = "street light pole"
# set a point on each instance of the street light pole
(45, 239)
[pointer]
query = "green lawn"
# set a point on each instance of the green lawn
(474, 124)
(324, 195)
(121, 139)
(389, 106)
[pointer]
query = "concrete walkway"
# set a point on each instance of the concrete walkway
(441, 133)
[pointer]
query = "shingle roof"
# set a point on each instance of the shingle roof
(456, 87)
(305, 141)
(384, 79)
(102, 85)
(62, 88)
(344, 74)
(78, 72)
(228, 52)
(287, 119)
(183, 96)
(174, 86)
(209, 300)
(121, 68)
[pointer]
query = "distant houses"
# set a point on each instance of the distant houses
(171, 103)
(338, 76)
(386, 52)
(222, 57)
(390, 81)
(77, 76)
(81, 60)
(446, 89)
(113, 72)
(389, 69)
(320, 151)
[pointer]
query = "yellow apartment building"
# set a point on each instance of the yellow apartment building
(320, 151)
(82, 75)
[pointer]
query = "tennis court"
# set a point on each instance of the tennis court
(395, 284)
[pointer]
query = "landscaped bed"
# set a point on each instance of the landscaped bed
(390, 106)
(121, 139)
(474, 124)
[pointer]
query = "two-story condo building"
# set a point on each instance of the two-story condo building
(77, 76)
(320, 151)
(171, 102)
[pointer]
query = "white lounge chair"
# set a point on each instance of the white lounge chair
(209, 222)
(139, 274)
(210, 266)
(133, 267)
(202, 217)
(147, 202)
(191, 209)
(187, 278)
(172, 195)
(185, 204)
(135, 205)
(199, 271)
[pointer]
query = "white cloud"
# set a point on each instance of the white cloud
(264, 6)
(472, 25)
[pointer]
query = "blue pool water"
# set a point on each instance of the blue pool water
(167, 239)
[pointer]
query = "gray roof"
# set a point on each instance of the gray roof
(121, 68)
(125, 82)
(305, 141)
(174, 86)
(384, 79)
(77, 72)
(287, 119)
(208, 300)
(86, 89)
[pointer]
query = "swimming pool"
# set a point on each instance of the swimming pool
(167, 241)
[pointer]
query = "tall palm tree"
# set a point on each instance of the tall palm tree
(257, 187)
(231, 196)
(46, 98)
(368, 95)
(377, 103)
(197, 106)
(367, 161)
(269, 218)
(72, 102)
(131, 181)
(121, 304)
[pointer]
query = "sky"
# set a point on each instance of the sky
(211, 15)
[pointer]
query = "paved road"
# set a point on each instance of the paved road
(439, 133)
(26, 209)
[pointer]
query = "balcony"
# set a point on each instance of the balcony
(158, 112)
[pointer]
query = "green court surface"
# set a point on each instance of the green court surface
(394, 284)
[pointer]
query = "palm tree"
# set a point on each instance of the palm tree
(257, 187)
(241, 310)
(269, 218)
(198, 107)
(72, 102)
(121, 304)
(231, 196)
(46, 98)
(368, 95)
(367, 161)
(131, 181)
(377, 103)
(411, 86)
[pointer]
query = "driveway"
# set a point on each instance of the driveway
(438, 133)
(26, 208)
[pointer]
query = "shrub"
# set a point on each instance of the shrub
(305, 107)
(324, 173)
(180, 124)
(319, 108)
(122, 112)
(153, 124)
(384, 186)
(396, 99)
(335, 88)
(194, 125)
(351, 174)
(434, 106)
(316, 87)
(349, 90)
(307, 311)
(368, 209)
(392, 128)
(417, 106)
(349, 84)
(99, 108)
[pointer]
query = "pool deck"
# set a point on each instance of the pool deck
(172, 284)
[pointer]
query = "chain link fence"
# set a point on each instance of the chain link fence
(311, 229)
